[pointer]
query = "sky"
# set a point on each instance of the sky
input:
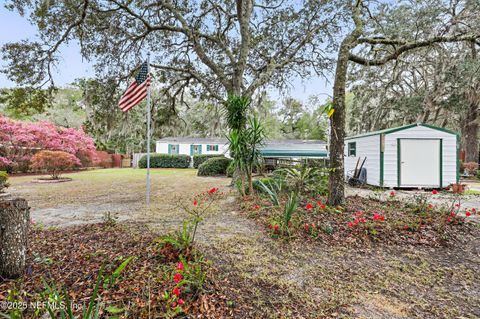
(14, 28)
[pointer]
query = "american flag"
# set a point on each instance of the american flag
(137, 91)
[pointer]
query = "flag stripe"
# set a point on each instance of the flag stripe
(129, 91)
(134, 94)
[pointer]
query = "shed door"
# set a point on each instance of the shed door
(419, 162)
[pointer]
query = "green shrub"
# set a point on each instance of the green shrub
(3, 180)
(214, 166)
(201, 158)
(231, 169)
(257, 186)
(165, 161)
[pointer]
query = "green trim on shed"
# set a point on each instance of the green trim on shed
(441, 163)
(398, 162)
(382, 161)
(401, 128)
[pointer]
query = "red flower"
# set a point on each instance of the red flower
(194, 202)
(430, 206)
(176, 291)
(319, 203)
(306, 227)
(212, 190)
(276, 227)
(392, 194)
(457, 205)
(474, 210)
(173, 305)
(452, 214)
(181, 301)
(350, 224)
(180, 266)
(309, 206)
(256, 207)
(362, 220)
(468, 213)
(378, 217)
(434, 192)
(270, 226)
(405, 227)
(322, 206)
(449, 219)
(177, 278)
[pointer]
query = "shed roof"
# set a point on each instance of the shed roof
(401, 128)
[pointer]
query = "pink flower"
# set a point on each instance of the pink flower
(177, 278)
(180, 266)
(32, 221)
(434, 192)
(308, 206)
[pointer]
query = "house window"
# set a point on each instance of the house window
(352, 149)
(173, 149)
(212, 148)
(195, 149)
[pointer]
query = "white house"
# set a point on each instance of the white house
(192, 145)
(410, 156)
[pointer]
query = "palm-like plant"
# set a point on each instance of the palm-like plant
(301, 178)
(245, 137)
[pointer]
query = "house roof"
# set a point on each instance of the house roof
(401, 128)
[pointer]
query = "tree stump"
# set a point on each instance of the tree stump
(14, 223)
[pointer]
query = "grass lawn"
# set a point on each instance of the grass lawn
(254, 274)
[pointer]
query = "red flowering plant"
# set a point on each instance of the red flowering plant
(182, 241)
(188, 278)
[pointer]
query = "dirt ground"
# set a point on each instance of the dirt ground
(268, 278)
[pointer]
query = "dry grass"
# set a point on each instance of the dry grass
(266, 278)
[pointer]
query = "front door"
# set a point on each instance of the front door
(419, 162)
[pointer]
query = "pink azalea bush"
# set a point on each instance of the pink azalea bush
(19, 141)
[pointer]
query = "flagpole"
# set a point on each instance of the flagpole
(148, 132)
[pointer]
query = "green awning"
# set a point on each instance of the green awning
(293, 153)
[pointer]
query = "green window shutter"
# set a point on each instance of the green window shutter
(191, 149)
(178, 149)
(216, 148)
(200, 149)
(169, 148)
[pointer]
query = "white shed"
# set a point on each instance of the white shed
(410, 156)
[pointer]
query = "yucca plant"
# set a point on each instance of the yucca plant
(288, 210)
(273, 189)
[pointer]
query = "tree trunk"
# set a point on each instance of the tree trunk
(470, 134)
(336, 186)
(14, 223)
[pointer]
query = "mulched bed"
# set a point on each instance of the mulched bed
(70, 259)
(365, 221)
